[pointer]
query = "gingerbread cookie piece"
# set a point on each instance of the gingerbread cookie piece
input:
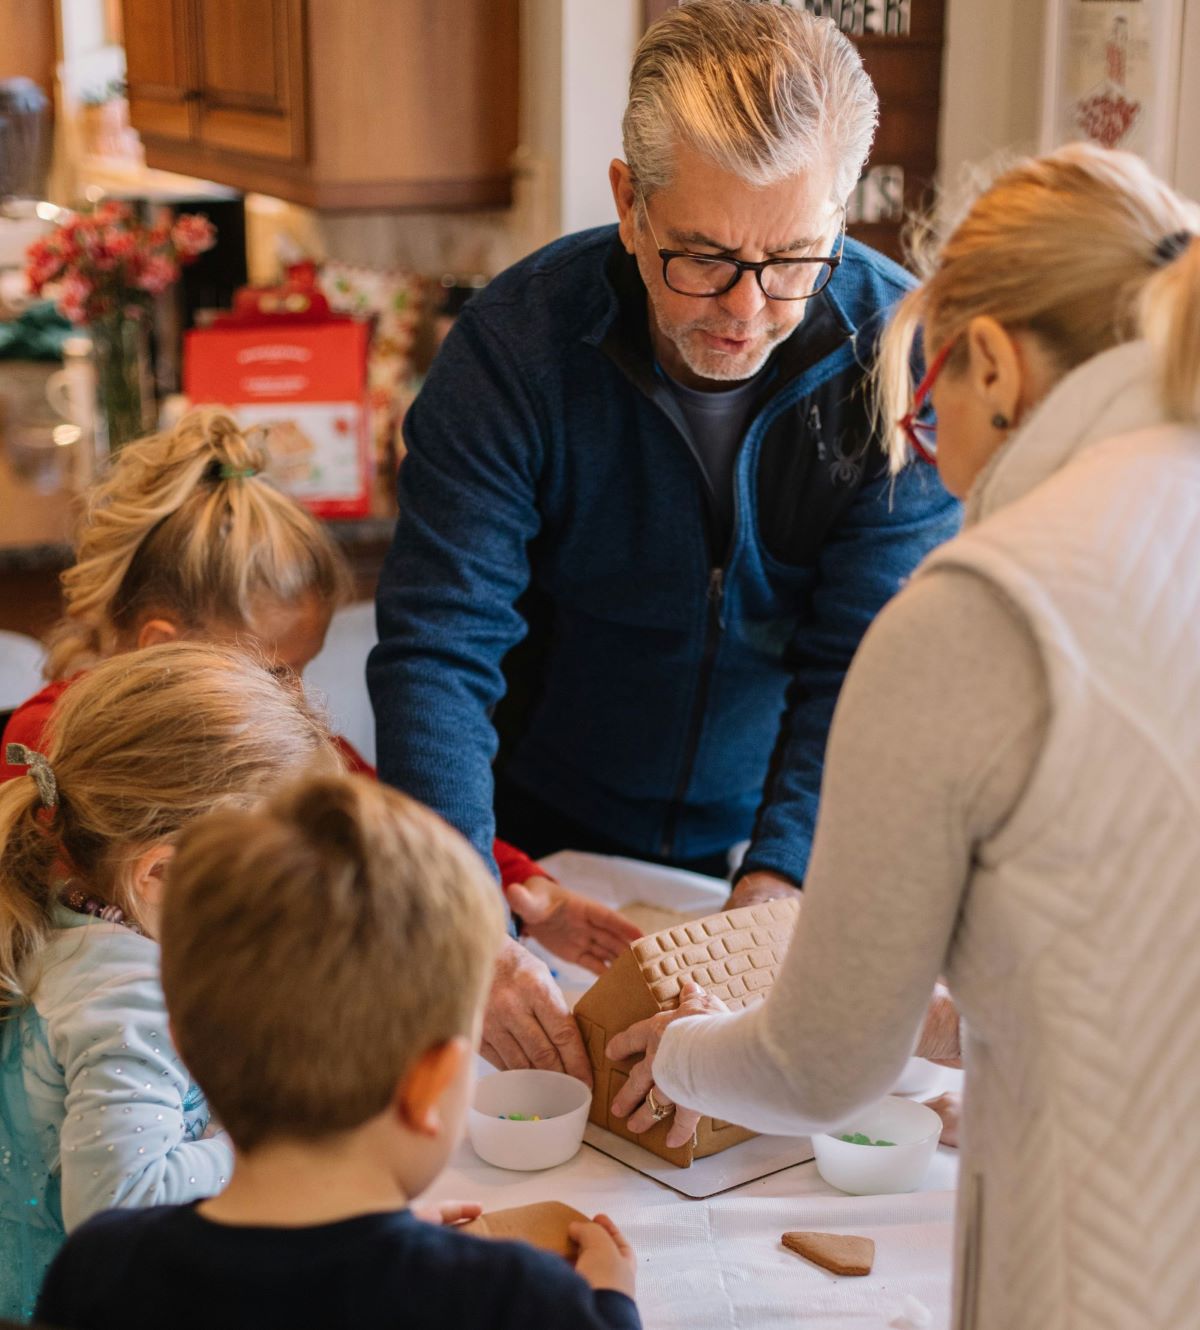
(543, 1225)
(838, 1253)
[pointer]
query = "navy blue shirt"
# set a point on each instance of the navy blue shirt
(169, 1266)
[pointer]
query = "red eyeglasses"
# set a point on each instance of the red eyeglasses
(919, 424)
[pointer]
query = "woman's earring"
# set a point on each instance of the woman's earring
(1000, 421)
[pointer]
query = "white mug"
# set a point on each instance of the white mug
(62, 390)
(71, 394)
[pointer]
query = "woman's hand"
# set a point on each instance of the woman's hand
(633, 1100)
(606, 1259)
(570, 925)
(447, 1212)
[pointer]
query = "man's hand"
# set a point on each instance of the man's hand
(527, 1022)
(939, 1038)
(948, 1107)
(755, 888)
(570, 925)
(606, 1259)
(644, 1037)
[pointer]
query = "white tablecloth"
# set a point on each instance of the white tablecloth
(718, 1264)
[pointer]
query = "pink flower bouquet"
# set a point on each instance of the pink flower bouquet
(104, 268)
(109, 263)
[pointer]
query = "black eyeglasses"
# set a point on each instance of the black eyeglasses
(689, 274)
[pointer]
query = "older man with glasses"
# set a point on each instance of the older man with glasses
(644, 517)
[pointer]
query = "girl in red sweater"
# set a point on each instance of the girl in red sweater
(186, 538)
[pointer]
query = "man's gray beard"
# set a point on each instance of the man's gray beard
(726, 369)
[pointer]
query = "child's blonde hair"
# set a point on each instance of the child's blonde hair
(355, 931)
(1070, 247)
(185, 524)
(138, 747)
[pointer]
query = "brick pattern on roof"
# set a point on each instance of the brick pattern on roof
(734, 956)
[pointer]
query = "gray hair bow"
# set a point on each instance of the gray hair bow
(17, 755)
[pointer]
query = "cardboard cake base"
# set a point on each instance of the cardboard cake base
(753, 1159)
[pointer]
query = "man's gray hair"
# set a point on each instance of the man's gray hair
(763, 89)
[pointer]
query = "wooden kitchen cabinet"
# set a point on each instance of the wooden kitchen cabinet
(160, 100)
(250, 76)
(335, 104)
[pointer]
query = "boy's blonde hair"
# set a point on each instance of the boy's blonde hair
(764, 90)
(1066, 246)
(185, 524)
(138, 747)
(313, 948)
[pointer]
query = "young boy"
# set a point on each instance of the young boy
(325, 959)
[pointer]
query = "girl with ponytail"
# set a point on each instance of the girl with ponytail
(186, 538)
(1019, 737)
(96, 1110)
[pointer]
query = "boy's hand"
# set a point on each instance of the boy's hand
(447, 1212)
(605, 1259)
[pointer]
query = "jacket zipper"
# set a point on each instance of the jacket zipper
(714, 627)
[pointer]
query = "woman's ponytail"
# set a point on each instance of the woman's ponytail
(1170, 316)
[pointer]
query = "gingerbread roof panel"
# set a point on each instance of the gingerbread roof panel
(734, 955)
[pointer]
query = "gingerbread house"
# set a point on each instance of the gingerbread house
(734, 955)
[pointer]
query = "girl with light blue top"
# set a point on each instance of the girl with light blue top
(96, 1110)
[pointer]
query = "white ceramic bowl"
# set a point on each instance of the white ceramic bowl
(560, 1101)
(872, 1170)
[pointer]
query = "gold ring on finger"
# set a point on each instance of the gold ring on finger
(658, 1111)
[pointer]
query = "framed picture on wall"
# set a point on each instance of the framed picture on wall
(1112, 76)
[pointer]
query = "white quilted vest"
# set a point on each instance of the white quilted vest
(1076, 962)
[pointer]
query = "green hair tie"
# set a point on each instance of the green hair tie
(237, 472)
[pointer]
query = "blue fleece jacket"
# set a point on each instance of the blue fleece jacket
(677, 690)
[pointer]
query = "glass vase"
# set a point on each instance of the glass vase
(123, 392)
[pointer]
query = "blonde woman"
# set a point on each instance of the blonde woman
(97, 1110)
(1020, 731)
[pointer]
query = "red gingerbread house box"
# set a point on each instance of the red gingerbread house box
(305, 385)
